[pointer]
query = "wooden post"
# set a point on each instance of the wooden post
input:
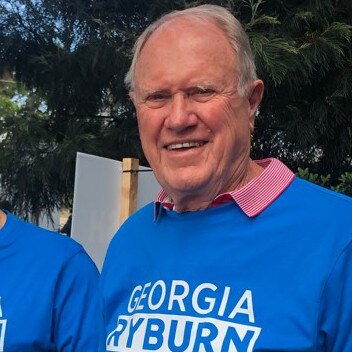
(129, 188)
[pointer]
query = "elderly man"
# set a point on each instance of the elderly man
(234, 254)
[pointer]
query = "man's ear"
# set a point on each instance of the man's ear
(132, 96)
(254, 98)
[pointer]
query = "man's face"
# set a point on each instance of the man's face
(194, 126)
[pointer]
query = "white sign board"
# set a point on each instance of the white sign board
(96, 201)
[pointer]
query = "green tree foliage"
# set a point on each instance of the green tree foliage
(315, 178)
(344, 184)
(70, 62)
(74, 55)
(305, 60)
(35, 169)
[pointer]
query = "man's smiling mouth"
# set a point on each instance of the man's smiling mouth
(176, 146)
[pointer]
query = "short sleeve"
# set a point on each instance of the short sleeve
(78, 322)
(336, 312)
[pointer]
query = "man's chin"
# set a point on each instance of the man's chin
(189, 182)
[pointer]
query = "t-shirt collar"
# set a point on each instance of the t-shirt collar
(252, 198)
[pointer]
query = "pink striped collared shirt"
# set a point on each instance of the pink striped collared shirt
(255, 196)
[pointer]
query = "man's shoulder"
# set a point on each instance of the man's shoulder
(42, 241)
(135, 226)
(315, 192)
(144, 214)
(318, 201)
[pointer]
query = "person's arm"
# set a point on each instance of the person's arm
(336, 313)
(78, 323)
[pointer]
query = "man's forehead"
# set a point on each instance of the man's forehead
(182, 26)
(182, 20)
(184, 52)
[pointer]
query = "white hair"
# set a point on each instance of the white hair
(223, 18)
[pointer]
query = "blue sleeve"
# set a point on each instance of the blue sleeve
(78, 322)
(336, 314)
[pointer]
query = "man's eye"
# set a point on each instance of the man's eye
(157, 100)
(157, 97)
(201, 94)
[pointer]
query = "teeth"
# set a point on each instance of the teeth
(184, 145)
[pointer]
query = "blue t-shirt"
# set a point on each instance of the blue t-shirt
(217, 280)
(49, 292)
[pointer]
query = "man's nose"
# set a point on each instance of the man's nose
(180, 114)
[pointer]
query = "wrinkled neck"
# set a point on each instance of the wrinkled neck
(204, 198)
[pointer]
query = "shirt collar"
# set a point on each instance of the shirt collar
(254, 197)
